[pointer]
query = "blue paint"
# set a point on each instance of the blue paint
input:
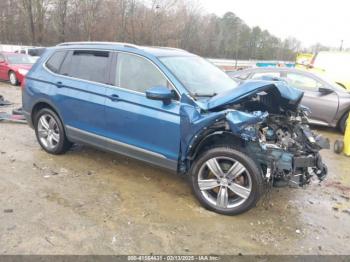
(285, 92)
(117, 114)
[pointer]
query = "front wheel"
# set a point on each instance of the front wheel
(226, 181)
(13, 78)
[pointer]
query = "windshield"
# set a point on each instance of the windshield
(21, 59)
(199, 76)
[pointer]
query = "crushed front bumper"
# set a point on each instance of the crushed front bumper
(285, 165)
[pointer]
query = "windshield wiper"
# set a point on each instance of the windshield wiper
(204, 94)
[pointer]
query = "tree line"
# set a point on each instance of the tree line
(175, 23)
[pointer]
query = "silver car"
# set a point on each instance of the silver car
(329, 103)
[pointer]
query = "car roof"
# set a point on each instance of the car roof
(153, 50)
(267, 69)
(272, 70)
(282, 69)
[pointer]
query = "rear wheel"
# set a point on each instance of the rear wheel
(226, 181)
(13, 78)
(50, 132)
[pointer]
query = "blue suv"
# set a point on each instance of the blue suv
(175, 110)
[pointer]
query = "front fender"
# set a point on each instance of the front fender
(196, 125)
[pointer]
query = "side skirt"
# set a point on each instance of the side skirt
(107, 144)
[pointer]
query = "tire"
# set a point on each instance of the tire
(248, 182)
(50, 132)
(342, 122)
(13, 78)
(338, 146)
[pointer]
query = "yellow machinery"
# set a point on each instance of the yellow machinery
(303, 60)
(347, 137)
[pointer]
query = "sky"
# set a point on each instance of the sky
(310, 21)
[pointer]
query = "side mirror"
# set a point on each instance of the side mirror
(2, 61)
(325, 90)
(160, 93)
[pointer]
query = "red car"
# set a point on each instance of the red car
(13, 67)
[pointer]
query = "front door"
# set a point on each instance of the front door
(323, 106)
(145, 129)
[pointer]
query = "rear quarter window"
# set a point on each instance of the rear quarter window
(55, 61)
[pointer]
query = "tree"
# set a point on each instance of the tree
(89, 15)
(175, 23)
(60, 15)
(28, 11)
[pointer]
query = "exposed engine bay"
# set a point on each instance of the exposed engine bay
(289, 150)
(274, 128)
(289, 137)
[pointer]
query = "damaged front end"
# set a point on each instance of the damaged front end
(269, 123)
(287, 150)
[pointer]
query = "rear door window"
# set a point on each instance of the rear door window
(55, 61)
(87, 65)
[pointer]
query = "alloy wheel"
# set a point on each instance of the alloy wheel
(224, 182)
(48, 132)
(13, 79)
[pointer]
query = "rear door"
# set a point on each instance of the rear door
(139, 127)
(80, 91)
(324, 106)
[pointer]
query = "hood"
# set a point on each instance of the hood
(286, 96)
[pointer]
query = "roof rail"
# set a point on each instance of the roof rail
(169, 48)
(98, 43)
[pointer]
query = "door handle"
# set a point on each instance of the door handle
(59, 84)
(114, 97)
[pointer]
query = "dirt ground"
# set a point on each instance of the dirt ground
(91, 202)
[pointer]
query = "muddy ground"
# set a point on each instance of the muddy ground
(91, 202)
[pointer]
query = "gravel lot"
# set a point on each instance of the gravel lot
(91, 202)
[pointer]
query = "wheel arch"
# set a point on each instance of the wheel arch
(43, 104)
(213, 139)
(344, 113)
